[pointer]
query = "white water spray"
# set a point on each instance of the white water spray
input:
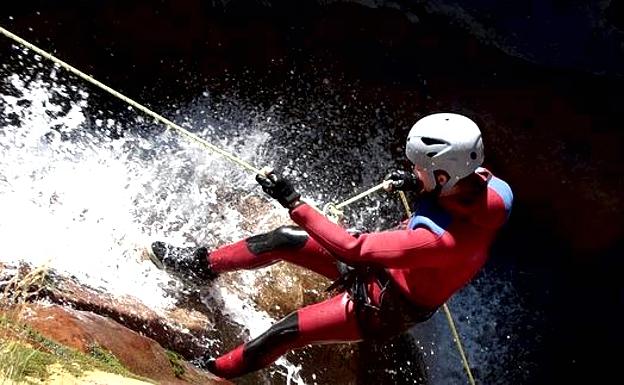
(87, 205)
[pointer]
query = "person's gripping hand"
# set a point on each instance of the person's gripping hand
(279, 188)
(402, 181)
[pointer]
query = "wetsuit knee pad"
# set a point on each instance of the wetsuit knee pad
(284, 237)
(284, 332)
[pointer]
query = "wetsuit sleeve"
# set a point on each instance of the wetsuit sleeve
(392, 249)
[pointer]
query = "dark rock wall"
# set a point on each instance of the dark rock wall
(552, 130)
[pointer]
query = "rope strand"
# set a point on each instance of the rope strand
(406, 205)
(129, 101)
(460, 348)
(360, 196)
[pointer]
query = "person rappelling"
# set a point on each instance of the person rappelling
(386, 282)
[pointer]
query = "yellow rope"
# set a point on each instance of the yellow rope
(449, 318)
(131, 102)
(406, 205)
(359, 196)
(221, 152)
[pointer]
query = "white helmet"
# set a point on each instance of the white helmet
(447, 142)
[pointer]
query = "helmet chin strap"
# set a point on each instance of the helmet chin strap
(435, 193)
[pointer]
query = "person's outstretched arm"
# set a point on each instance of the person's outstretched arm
(394, 249)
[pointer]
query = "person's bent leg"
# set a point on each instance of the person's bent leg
(333, 320)
(287, 243)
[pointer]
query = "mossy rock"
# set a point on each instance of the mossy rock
(26, 356)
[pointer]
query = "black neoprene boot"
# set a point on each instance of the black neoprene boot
(206, 362)
(183, 262)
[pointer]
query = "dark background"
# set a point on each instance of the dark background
(542, 78)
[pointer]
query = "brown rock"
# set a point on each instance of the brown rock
(82, 330)
(136, 316)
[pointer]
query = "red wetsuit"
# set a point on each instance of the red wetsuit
(444, 244)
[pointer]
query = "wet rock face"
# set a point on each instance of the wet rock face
(80, 317)
(133, 314)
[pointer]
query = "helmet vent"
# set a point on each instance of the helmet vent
(432, 154)
(430, 141)
(473, 155)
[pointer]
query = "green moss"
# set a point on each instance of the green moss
(176, 363)
(106, 361)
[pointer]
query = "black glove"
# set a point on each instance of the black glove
(404, 181)
(280, 189)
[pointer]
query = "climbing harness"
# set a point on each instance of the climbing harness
(400, 312)
(332, 210)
